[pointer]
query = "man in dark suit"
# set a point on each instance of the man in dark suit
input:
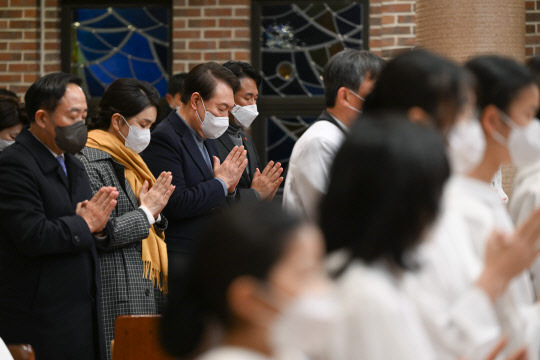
(180, 144)
(49, 228)
(253, 185)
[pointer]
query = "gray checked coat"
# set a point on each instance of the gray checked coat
(124, 290)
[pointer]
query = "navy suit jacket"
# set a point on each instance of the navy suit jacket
(197, 192)
(49, 282)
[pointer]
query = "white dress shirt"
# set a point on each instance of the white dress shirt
(526, 199)
(378, 322)
(309, 168)
(482, 211)
(232, 353)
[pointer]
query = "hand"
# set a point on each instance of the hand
(157, 197)
(97, 210)
(507, 256)
(521, 354)
(267, 182)
(230, 171)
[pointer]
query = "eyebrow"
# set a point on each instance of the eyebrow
(225, 104)
(77, 109)
(250, 94)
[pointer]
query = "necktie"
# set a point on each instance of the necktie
(62, 163)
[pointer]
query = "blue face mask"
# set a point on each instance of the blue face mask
(358, 96)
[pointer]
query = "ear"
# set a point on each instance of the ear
(342, 96)
(169, 98)
(193, 101)
(41, 118)
(491, 121)
(418, 115)
(116, 120)
(243, 298)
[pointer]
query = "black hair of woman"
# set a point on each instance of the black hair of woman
(247, 240)
(385, 189)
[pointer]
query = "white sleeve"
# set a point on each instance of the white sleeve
(311, 174)
(149, 215)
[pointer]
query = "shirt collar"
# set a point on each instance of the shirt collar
(198, 139)
(341, 125)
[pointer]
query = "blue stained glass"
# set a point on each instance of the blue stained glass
(304, 69)
(100, 74)
(114, 38)
(315, 90)
(308, 33)
(294, 88)
(160, 33)
(138, 46)
(112, 43)
(136, 16)
(267, 89)
(344, 27)
(352, 14)
(106, 23)
(145, 71)
(90, 41)
(158, 14)
(161, 86)
(277, 82)
(118, 65)
(93, 85)
(162, 53)
(87, 14)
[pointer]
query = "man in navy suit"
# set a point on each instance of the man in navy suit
(182, 144)
(50, 227)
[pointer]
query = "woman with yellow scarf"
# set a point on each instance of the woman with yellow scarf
(133, 258)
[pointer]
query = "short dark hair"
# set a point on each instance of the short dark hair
(7, 92)
(246, 240)
(203, 79)
(420, 78)
(243, 70)
(385, 188)
(127, 97)
(12, 112)
(176, 82)
(499, 80)
(347, 69)
(47, 92)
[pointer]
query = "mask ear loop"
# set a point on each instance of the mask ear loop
(127, 125)
(508, 122)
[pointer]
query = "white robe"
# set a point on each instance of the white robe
(378, 321)
(526, 199)
(518, 312)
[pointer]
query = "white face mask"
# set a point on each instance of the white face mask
(137, 139)
(5, 143)
(244, 115)
(523, 141)
(358, 96)
(466, 146)
(306, 324)
(213, 126)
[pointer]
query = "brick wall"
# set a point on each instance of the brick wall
(20, 42)
(391, 26)
(532, 27)
(203, 30)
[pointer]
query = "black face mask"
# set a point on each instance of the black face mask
(71, 138)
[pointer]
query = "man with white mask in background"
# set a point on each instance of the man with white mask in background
(180, 145)
(349, 77)
(255, 184)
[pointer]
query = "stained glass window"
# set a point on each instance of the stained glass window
(110, 43)
(298, 39)
(293, 43)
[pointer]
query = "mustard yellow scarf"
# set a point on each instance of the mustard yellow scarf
(154, 249)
